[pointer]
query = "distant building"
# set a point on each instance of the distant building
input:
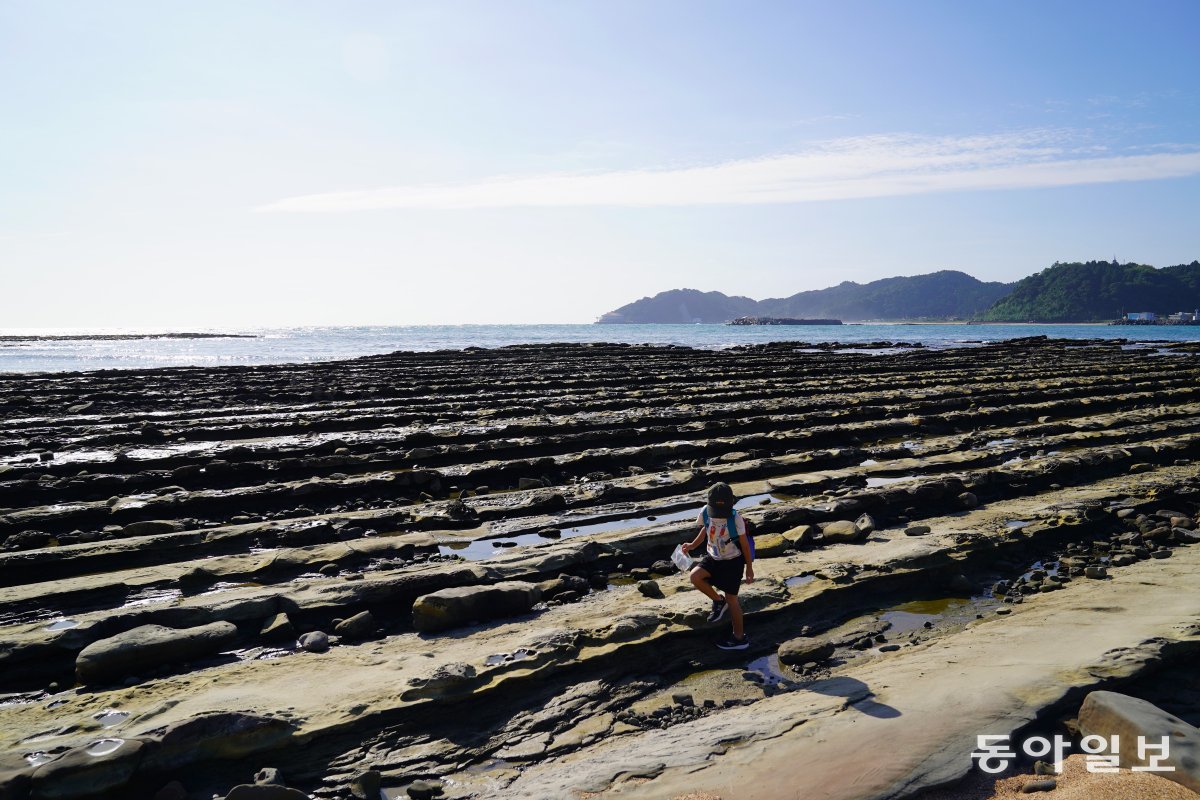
(1182, 316)
(1141, 316)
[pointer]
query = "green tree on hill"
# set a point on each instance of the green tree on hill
(1098, 291)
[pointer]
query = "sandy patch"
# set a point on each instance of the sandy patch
(1075, 783)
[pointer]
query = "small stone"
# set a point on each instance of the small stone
(801, 536)
(917, 530)
(1043, 785)
(424, 790)
(682, 699)
(1043, 768)
(840, 531)
(650, 589)
(805, 650)
(314, 642)
(269, 776)
(329, 570)
(360, 626)
(278, 628)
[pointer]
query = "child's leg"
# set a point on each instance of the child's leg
(735, 613)
(700, 578)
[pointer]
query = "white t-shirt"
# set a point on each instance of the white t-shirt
(721, 545)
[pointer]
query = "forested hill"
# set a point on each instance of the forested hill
(947, 294)
(943, 295)
(683, 305)
(1098, 291)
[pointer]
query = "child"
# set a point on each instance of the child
(727, 554)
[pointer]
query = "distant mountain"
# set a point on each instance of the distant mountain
(947, 294)
(683, 305)
(943, 295)
(1098, 291)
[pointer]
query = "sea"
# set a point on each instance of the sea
(309, 344)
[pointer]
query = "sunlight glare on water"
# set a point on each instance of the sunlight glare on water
(304, 344)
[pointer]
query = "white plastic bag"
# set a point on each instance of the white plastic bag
(682, 559)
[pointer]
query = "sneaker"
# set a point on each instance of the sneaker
(719, 609)
(731, 642)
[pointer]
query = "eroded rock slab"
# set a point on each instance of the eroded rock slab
(149, 647)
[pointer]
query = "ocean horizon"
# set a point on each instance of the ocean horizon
(304, 344)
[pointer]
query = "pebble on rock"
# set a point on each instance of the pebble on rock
(650, 589)
(314, 642)
(1043, 785)
(424, 790)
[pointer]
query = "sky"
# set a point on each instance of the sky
(235, 163)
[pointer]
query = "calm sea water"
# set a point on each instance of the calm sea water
(286, 345)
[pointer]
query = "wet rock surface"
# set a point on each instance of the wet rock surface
(447, 571)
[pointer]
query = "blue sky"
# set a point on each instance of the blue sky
(272, 163)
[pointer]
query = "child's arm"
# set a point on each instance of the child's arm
(744, 545)
(694, 543)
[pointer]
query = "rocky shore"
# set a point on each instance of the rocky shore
(444, 574)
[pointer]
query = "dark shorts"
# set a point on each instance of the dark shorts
(725, 575)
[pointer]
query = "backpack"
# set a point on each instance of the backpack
(731, 524)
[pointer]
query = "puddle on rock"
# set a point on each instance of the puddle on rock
(490, 765)
(62, 625)
(1016, 524)
(150, 596)
(222, 586)
(111, 718)
(19, 698)
(38, 758)
(912, 616)
(773, 673)
(876, 482)
(104, 747)
(799, 580)
(480, 549)
(508, 658)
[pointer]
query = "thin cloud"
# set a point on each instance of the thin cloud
(859, 167)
